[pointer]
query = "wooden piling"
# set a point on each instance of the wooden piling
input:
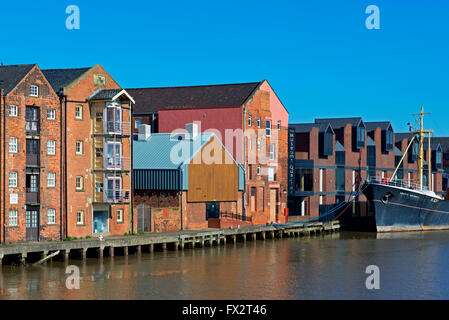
(100, 252)
(111, 251)
(164, 246)
(84, 253)
(125, 251)
(139, 250)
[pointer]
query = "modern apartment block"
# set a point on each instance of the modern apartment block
(31, 175)
(330, 158)
(97, 151)
(250, 120)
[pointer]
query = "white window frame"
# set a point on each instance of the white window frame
(79, 115)
(51, 213)
(34, 91)
(120, 216)
(272, 151)
(258, 122)
(279, 124)
(13, 145)
(80, 144)
(51, 182)
(81, 184)
(258, 145)
(13, 177)
(249, 121)
(16, 110)
(51, 147)
(271, 172)
(79, 214)
(258, 170)
(13, 218)
(51, 114)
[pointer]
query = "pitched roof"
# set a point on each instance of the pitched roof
(370, 142)
(338, 123)
(150, 100)
(398, 136)
(443, 141)
(339, 147)
(60, 78)
(11, 75)
(398, 152)
(156, 152)
(306, 127)
(372, 125)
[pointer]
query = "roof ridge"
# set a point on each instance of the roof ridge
(66, 69)
(197, 86)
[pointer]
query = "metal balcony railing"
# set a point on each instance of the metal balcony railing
(235, 216)
(32, 127)
(397, 183)
(117, 163)
(118, 127)
(115, 196)
(32, 196)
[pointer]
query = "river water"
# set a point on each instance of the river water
(411, 266)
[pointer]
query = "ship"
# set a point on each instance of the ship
(400, 205)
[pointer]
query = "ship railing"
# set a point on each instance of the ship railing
(397, 183)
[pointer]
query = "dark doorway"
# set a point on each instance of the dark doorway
(212, 210)
(32, 224)
(143, 218)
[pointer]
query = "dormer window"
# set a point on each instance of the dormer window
(360, 136)
(34, 91)
(413, 151)
(388, 140)
(438, 158)
(327, 142)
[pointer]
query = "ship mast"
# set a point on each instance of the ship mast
(421, 133)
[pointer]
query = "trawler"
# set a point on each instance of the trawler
(405, 205)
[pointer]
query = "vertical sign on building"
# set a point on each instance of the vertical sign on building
(291, 161)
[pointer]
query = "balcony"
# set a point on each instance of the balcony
(116, 196)
(117, 163)
(32, 196)
(118, 128)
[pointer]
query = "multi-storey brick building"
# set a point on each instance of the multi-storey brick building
(330, 158)
(31, 207)
(97, 151)
(250, 120)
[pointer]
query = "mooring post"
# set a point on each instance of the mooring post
(111, 251)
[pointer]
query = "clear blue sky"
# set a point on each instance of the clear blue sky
(318, 55)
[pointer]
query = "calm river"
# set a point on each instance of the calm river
(412, 266)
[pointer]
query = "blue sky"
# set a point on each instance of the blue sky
(318, 55)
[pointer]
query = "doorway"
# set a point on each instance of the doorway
(273, 202)
(101, 222)
(32, 224)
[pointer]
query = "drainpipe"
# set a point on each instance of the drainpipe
(244, 165)
(65, 166)
(131, 165)
(4, 166)
(180, 187)
(61, 168)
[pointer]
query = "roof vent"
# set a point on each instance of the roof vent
(144, 132)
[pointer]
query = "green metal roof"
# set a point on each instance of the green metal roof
(167, 150)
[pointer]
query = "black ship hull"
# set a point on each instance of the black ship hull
(402, 209)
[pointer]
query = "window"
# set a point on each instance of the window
(326, 143)
(79, 183)
(13, 111)
(99, 116)
(51, 179)
(51, 149)
(340, 158)
(279, 124)
(79, 147)
(12, 145)
(258, 145)
(79, 112)
(32, 119)
(272, 151)
(389, 140)
(119, 215)
(304, 180)
(258, 170)
(271, 176)
(258, 122)
(99, 152)
(13, 179)
(249, 120)
(51, 114)
(360, 137)
(340, 184)
(51, 216)
(80, 217)
(138, 123)
(34, 91)
(99, 187)
(268, 127)
(13, 220)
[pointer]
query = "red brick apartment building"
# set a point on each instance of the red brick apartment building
(232, 111)
(330, 158)
(65, 154)
(30, 156)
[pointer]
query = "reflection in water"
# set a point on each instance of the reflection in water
(412, 266)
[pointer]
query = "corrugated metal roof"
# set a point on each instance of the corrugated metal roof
(165, 151)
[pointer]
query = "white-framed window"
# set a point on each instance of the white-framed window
(79, 183)
(13, 111)
(34, 91)
(51, 216)
(258, 122)
(79, 112)
(250, 145)
(51, 179)
(268, 127)
(80, 217)
(249, 120)
(258, 145)
(120, 215)
(271, 173)
(79, 147)
(279, 124)
(51, 114)
(12, 145)
(13, 179)
(51, 147)
(353, 180)
(258, 170)
(272, 151)
(13, 219)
